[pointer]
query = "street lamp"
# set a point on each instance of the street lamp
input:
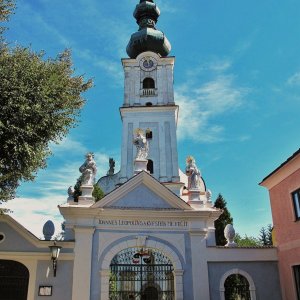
(54, 256)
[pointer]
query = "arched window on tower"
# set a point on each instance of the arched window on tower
(150, 166)
(148, 83)
(148, 134)
(148, 89)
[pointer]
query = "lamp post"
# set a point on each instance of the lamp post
(55, 250)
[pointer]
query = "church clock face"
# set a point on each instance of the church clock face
(148, 63)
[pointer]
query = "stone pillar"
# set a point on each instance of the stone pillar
(175, 167)
(178, 281)
(199, 264)
(160, 85)
(82, 262)
(194, 199)
(104, 283)
(162, 153)
(127, 130)
(140, 165)
(87, 195)
(127, 85)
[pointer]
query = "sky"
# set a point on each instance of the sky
(237, 83)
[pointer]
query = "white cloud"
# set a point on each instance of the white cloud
(68, 144)
(50, 190)
(199, 105)
(167, 6)
(217, 65)
(294, 79)
(112, 67)
(34, 213)
(113, 40)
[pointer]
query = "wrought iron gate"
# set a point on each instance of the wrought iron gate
(14, 279)
(237, 288)
(141, 274)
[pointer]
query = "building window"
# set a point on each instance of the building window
(236, 287)
(148, 83)
(297, 280)
(148, 134)
(296, 202)
(237, 284)
(150, 166)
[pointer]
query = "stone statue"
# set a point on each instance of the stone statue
(88, 170)
(208, 195)
(229, 234)
(141, 143)
(70, 191)
(70, 194)
(193, 173)
(111, 170)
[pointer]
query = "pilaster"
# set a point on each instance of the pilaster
(82, 263)
(199, 264)
(104, 282)
(178, 281)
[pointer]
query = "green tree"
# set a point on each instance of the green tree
(98, 194)
(77, 191)
(265, 235)
(247, 241)
(6, 8)
(223, 220)
(40, 101)
(270, 234)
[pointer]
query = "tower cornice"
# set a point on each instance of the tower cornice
(150, 110)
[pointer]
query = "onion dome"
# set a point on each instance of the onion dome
(147, 38)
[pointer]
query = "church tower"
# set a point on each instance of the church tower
(149, 99)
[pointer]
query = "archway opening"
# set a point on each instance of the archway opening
(14, 278)
(237, 288)
(141, 274)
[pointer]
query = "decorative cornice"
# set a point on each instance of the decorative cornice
(34, 255)
(286, 169)
(149, 182)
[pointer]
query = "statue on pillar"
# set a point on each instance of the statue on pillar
(111, 170)
(88, 170)
(193, 173)
(141, 143)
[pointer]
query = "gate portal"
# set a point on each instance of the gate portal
(141, 274)
(14, 278)
(237, 288)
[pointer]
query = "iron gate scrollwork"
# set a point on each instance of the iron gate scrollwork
(141, 274)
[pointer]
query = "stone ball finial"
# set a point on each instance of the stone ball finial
(229, 234)
(48, 230)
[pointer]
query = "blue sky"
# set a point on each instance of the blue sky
(237, 81)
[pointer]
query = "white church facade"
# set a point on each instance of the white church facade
(152, 236)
